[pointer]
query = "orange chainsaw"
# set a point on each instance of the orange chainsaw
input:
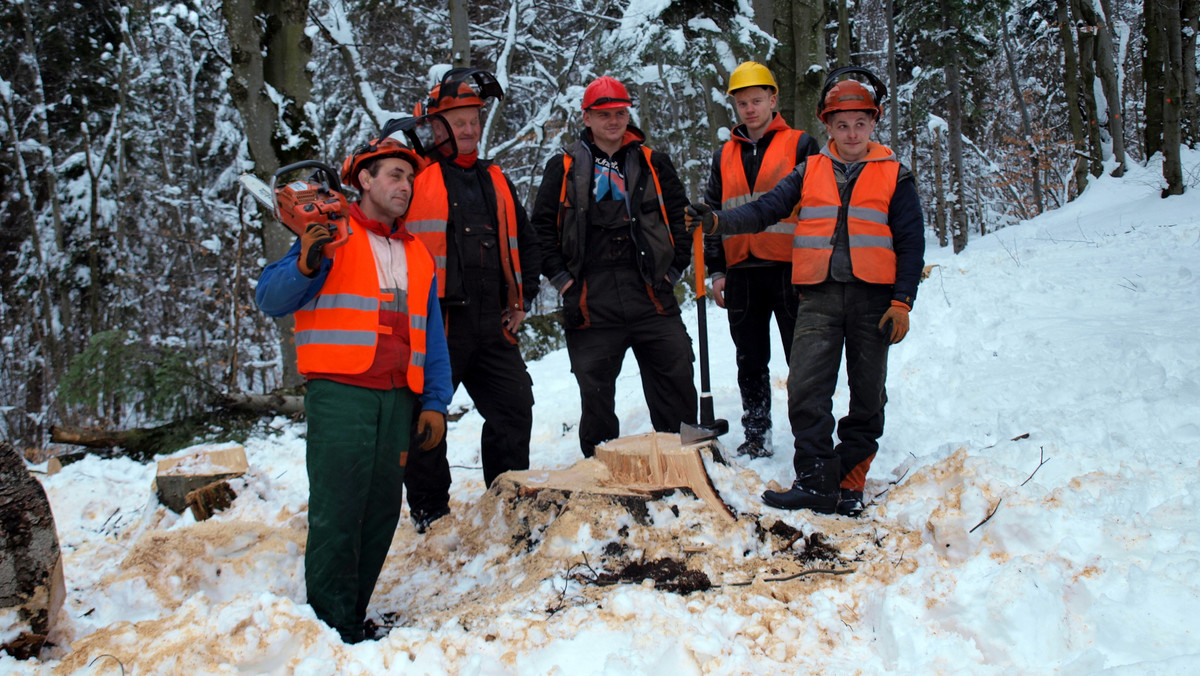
(299, 203)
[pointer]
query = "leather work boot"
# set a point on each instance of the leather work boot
(755, 447)
(851, 503)
(816, 489)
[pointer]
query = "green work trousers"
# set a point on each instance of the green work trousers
(356, 439)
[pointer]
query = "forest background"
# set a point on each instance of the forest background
(128, 254)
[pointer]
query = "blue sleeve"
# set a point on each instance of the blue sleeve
(283, 289)
(908, 239)
(771, 208)
(439, 389)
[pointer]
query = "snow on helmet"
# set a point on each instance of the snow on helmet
(373, 150)
(751, 74)
(606, 92)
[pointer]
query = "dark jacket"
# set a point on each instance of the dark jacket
(662, 249)
(904, 218)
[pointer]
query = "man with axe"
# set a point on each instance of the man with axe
(752, 272)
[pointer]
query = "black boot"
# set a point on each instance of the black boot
(851, 503)
(423, 518)
(816, 489)
(755, 448)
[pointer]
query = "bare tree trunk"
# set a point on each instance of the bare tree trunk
(1071, 89)
(954, 117)
(843, 34)
(1153, 59)
(1035, 155)
(273, 52)
(1172, 167)
(460, 34)
(1106, 62)
(893, 78)
(799, 64)
(1190, 118)
(1087, 78)
(939, 190)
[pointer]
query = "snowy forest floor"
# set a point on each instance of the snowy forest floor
(1033, 508)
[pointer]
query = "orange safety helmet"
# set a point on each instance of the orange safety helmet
(837, 97)
(460, 88)
(606, 92)
(377, 149)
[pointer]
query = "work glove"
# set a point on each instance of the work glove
(700, 215)
(431, 427)
(894, 323)
(314, 239)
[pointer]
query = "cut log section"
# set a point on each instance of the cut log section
(641, 466)
(196, 468)
(31, 575)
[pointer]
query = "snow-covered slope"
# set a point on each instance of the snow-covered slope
(1034, 508)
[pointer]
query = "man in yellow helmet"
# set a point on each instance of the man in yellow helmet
(752, 273)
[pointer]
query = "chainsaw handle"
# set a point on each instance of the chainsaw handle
(341, 234)
(329, 176)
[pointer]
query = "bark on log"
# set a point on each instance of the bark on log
(262, 403)
(31, 579)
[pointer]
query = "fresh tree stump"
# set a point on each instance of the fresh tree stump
(195, 468)
(643, 466)
(31, 575)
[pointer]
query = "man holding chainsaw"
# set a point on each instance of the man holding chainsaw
(487, 256)
(858, 250)
(369, 340)
(610, 215)
(752, 272)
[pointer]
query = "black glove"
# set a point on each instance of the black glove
(700, 215)
(312, 242)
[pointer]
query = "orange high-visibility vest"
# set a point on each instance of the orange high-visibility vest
(429, 214)
(872, 258)
(337, 331)
(774, 243)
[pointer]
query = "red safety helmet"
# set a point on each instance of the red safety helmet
(606, 92)
(376, 149)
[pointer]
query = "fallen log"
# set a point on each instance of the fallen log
(280, 404)
(31, 575)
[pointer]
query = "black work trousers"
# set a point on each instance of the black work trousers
(493, 371)
(829, 316)
(753, 295)
(663, 351)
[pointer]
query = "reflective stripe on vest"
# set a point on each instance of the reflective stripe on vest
(337, 331)
(775, 242)
(871, 256)
(429, 215)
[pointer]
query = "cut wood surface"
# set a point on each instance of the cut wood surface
(195, 468)
(643, 466)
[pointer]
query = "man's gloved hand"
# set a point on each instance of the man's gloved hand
(431, 427)
(312, 242)
(895, 322)
(700, 215)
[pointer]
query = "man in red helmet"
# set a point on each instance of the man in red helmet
(610, 215)
(488, 259)
(369, 340)
(752, 273)
(858, 250)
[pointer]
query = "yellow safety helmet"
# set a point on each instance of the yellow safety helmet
(751, 74)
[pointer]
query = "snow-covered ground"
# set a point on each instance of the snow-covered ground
(1051, 381)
